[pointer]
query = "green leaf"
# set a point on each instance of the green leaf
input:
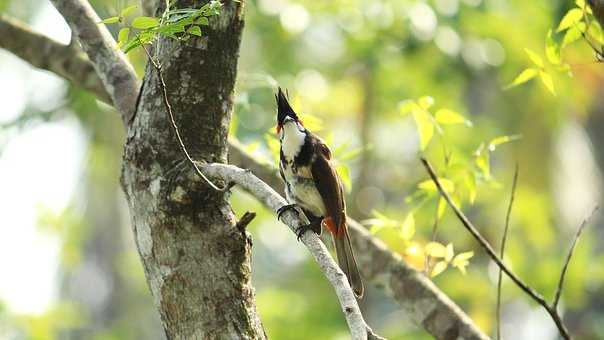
(145, 22)
(595, 32)
(571, 18)
(445, 116)
(195, 30)
(470, 182)
(408, 227)
(483, 163)
(407, 106)
(425, 102)
(202, 21)
(573, 34)
(546, 79)
(552, 49)
(523, 77)
(127, 11)
(439, 267)
(111, 20)
(122, 36)
(425, 127)
(535, 58)
(442, 208)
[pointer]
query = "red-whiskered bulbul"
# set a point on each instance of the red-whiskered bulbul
(312, 183)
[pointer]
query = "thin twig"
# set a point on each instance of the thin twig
(166, 101)
(502, 250)
(489, 250)
(247, 217)
(569, 256)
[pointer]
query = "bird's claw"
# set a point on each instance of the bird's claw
(303, 229)
(285, 208)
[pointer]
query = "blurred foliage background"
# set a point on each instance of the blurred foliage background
(71, 266)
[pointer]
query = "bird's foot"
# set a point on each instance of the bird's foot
(314, 226)
(285, 208)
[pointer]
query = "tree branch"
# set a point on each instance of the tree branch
(265, 194)
(502, 250)
(43, 52)
(111, 65)
(551, 309)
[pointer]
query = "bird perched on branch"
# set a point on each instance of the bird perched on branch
(312, 184)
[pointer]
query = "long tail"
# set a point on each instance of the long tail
(347, 262)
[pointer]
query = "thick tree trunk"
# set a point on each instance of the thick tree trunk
(196, 261)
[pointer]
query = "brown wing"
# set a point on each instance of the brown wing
(328, 184)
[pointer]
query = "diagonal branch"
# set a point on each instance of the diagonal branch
(111, 65)
(551, 309)
(272, 200)
(43, 52)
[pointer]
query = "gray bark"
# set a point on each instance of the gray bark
(196, 261)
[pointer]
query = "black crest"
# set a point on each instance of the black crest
(283, 107)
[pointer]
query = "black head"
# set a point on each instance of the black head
(283, 108)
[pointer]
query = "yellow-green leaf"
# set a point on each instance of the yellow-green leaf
(495, 142)
(442, 207)
(461, 261)
(127, 11)
(571, 18)
(573, 34)
(408, 227)
(439, 267)
(407, 106)
(311, 122)
(344, 174)
(446, 116)
(435, 249)
(429, 186)
(595, 32)
(425, 127)
(122, 36)
(470, 182)
(535, 58)
(523, 77)
(144, 22)
(449, 254)
(111, 20)
(546, 79)
(425, 102)
(483, 163)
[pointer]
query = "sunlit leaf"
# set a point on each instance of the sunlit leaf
(127, 11)
(595, 32)
(571, 18)
(483, 163)
(429, 185)
(111, 20)
(439, 267)
(445, 116)
(470, 182)
(535, 58)
(425, 102)
(425, 127)
(436, 249)
(461, 261)
(252, 147)
(144, 22)
(547, 80)
(407, 106)
(552, 49)
(449, 253)
(408, 227)
(442, 207)
(311, 122)
(573, 34)
(523, 77)
(495, 142)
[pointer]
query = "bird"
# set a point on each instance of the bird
(312, 184)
